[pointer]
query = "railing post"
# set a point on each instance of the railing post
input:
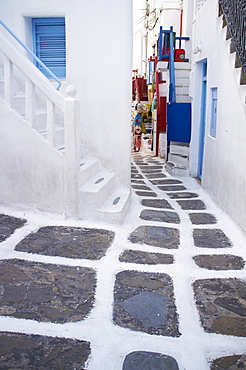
(50, 122)
(171, 69)
(72, 151)
(8, 81)
(29, 101)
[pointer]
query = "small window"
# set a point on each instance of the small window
(50, 44)
(213, 123)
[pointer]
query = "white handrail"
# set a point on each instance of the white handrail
(31, 53)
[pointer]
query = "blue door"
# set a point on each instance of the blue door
(202, 120)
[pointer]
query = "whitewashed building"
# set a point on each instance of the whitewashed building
(216, 54)
(218, 91)
(66, 151)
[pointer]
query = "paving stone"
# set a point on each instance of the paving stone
(156, 203)
(22, 351)
(151, 168)
(155, 175)
(148, 171)
(157, 236)
(202, 218)
(162, 216)
(138, 182)
(195, 204)
(146, 193)
(8, 225)
(141, 187)
(136, 176)
(46, 292)
(182, 195)
(221, 305)
(134, 171)
(133, 256)
(172, 188)
(229, 362)
(71, 242)
(141, 360)
(219, 262)
(145, 302)
(211, 238)
(166, 182)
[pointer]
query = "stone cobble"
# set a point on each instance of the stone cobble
(148, 301)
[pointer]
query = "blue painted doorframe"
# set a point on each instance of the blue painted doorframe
(202, 119)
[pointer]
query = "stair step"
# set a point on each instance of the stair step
(88, 169)
(95, 192)
(179, 159)
(116, 206)
(59, 136)
(176, 148)
(177, 171)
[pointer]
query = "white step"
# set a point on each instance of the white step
(179, 159)
(88, 169)
(177, 171)
(95, 192)
(116, 206)
(59, 136)
(179, 149)
(183, 99)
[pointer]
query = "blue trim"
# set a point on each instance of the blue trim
(202, 119)
(48, 71)
(49, 39)
(213, 123)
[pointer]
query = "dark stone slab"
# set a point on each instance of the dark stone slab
(134, 171)
(157, 236)
(132, 256)
(166, 182)
(185, 194)
(156, 203)
(141, 187)
(195, 204)
(221, 304)
(22, 351)
(202, 218)
(162, 216)
(229, 362)
(211, 238)
(136, 176)
(46, 292)
(135, 181)
(8, 225)
(146, 193)
(141, 163)
(141, 360)
(71, 242)
(172, 188)
(145, 302)
(219, 262)
(148, 171)
(154, 175)
(151, 168)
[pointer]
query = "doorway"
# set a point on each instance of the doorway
(202, 119)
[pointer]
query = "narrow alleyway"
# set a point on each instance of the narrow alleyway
(164, 290)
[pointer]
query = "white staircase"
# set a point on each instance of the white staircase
(84, 189)
(101, 196)
(178, 157)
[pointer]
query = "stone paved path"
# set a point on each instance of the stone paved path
(165, 290)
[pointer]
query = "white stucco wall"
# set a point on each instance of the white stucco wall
(99, 63)
(32, 177)
(224, 165)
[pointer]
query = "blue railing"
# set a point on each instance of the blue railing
(166, 45)
(32, 54)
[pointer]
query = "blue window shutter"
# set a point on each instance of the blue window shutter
(50, 44)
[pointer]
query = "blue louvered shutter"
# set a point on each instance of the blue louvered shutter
(50, 44)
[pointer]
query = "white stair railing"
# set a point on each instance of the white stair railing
(54, 99)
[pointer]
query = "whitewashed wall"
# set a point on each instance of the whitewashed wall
(224, 165)
(99, 63)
